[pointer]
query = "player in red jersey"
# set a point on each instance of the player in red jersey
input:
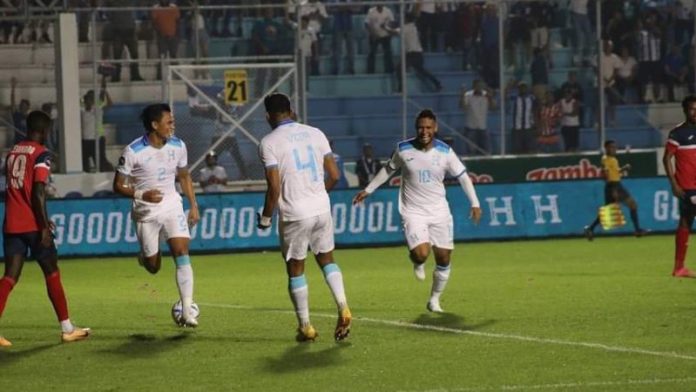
(26, 224)
(681, 147)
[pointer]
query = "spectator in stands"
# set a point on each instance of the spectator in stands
(583, 30)
(343, 34)
(93, 126)
(267, 39)
(427, 23)
(465, 29)
(342, 182)
(19, 113)
(539, 70)
(414, 53)
(626, 74)
(476, 103)
(524, 113)
(315, 12)
(226, 130)
(489, 46)
(217, 30)
(518, 37)
(649, 57)
(548, 116)
(575, 88)
(376, 22)
(570, 121)
(52, 140)
(676, 71)
(122, 27)
(10, 30)
(308, 48)
(620, 30)
(610, 64)
(367, 167)
(198, 106)
(199, 40)
(212, 177)
(540, 20)
(165, 17)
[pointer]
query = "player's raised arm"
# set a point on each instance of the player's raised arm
(186, 182)
(380, 178)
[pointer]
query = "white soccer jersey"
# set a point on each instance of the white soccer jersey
(153, 168)
(298, 151)
(422, 174)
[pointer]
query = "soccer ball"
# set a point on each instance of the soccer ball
(177, 311)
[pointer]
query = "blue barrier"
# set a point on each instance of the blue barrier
(91, 227)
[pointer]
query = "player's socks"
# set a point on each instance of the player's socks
(634, 219)
(681, 242)
(334, 278)
(57, 295)
(66, 326)
(6, 285)
(440, 278)
(299, 294)
(184, 281)
(594, 224)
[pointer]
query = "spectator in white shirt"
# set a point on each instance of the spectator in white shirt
(626, 73)
(414, 53)
(476, 103)
(609, 66)
(315, 12)
(377, 21)
(212, 177)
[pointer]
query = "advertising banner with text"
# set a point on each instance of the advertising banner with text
(91, 227)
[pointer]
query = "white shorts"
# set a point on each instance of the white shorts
(437, 230)
(172, 225)
(316, 233)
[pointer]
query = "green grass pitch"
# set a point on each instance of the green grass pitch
(532, 315)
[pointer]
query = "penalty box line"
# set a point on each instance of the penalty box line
(491, 335)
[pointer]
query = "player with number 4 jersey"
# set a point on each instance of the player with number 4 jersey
(153, 162)
(27, 226)
(295, 157)
(424, 161)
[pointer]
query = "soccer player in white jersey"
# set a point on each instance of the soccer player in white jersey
(153, 162)
(295, 157)
(424, 161)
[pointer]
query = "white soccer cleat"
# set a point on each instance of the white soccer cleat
(419, 271)
(189, 322)
(434, 306)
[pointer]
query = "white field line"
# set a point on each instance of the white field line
(492, 335)
(570, 385)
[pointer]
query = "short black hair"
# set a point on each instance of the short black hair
(152, 113)
(38, 121)
(608, 142)
(426, 113)
(277, 103)
(687, 101)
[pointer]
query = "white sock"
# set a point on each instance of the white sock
(440, 278)
(299, 294)
(184, 281)
(334, 278)
(67, 326)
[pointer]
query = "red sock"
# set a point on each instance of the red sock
(6, 285)
(57, 295)
(681, 242)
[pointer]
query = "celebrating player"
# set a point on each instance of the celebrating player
(681, 147)
(153, 162)
(26, 224)
(424, 161)
(614, 192)
(295, 157)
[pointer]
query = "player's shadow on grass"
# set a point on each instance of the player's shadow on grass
(143, 345)
(450, 320)
(10, 356)
(302, 357)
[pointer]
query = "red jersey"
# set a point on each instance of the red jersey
(28, 162)
(682, 143)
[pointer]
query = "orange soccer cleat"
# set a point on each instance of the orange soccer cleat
(77, 334)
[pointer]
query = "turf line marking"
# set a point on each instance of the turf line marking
(569, 385)
(493, 335)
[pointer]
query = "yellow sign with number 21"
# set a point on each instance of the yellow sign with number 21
(236, 87)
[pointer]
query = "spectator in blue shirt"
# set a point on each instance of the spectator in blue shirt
(676, 71)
